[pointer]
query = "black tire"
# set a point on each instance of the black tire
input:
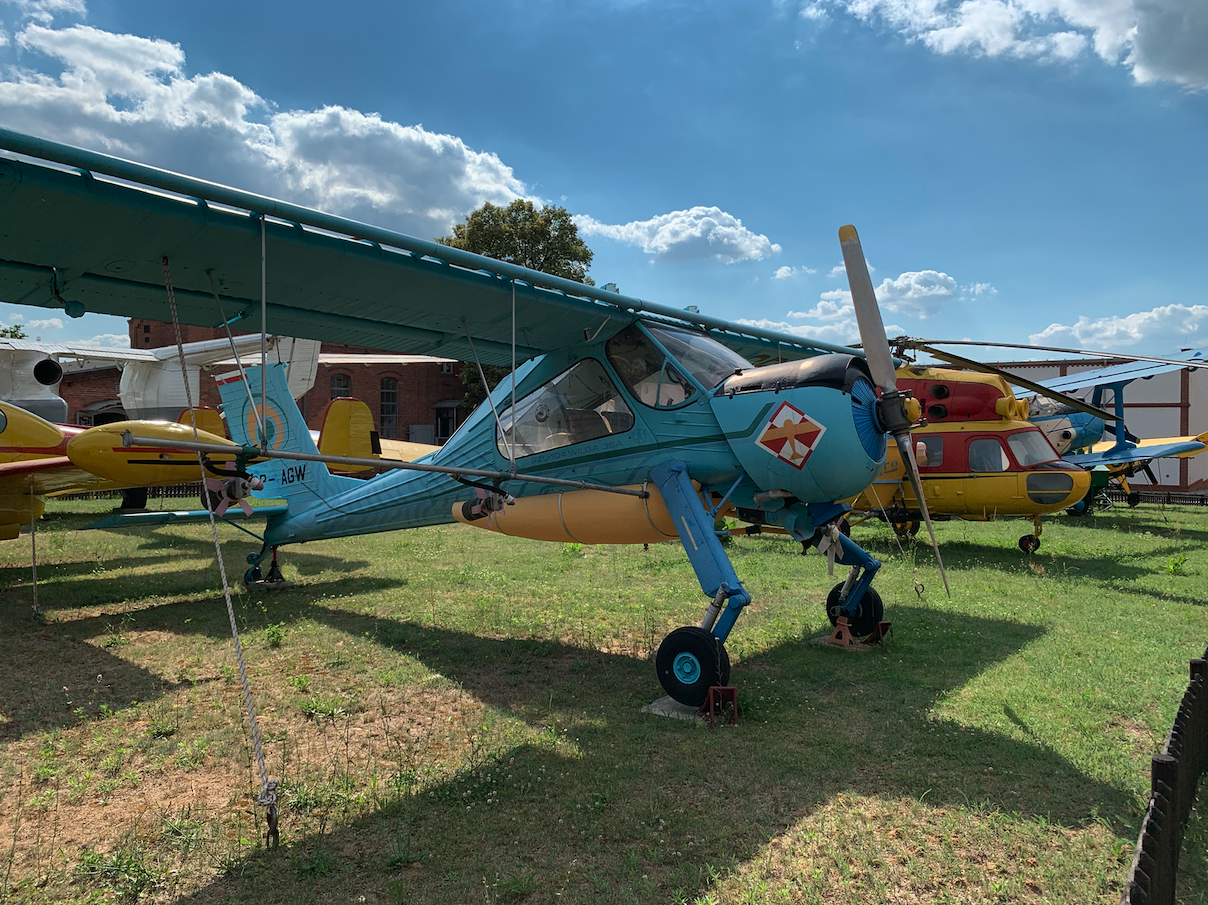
(864, 622)
(134, 498)
(252, 574)
(1029, 543)
(905, 529)
(689, 661)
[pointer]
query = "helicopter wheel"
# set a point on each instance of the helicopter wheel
(689, 661)
(864, 622)
(905, 529)
(1029, 543)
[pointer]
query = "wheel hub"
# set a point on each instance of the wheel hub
(686, 667)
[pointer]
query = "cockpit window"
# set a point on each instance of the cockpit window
(1031, 448)
(646, 372)
(707, 360)
(578, 405)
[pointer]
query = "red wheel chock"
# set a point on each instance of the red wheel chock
(716, 700)
(879, 633)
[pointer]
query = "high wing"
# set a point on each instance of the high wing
(1123, 373)
(80, 353)
(84, 231)
(1107, 453)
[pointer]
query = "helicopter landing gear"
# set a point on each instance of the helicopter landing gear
(689, 661)
(1030, 543)
(869, 611)
(905, 529)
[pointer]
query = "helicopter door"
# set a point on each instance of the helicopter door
(993, 483)
(940, 461)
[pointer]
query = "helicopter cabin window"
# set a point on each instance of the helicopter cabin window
(1031, 447)
(646, 372)
(578, 405)
(929, 451)
(987, 454)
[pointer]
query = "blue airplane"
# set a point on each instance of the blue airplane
(625, 422)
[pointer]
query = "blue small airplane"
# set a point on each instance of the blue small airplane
(625, 421)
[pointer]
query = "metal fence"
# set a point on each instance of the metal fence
(1173, 779)
(176, 491)
(1157, 497)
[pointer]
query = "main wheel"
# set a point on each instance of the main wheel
(868, 614)
(690, 660)
(1029, 543)
(134, 498)
(905, 529)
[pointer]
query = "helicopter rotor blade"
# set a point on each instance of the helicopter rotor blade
(892, 406)
(1015, 379)
(1125, 356)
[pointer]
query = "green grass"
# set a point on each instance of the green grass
(454, 717)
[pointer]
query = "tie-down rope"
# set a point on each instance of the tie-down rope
(268, 787)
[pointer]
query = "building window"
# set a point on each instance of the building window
(389, 409)
(146, 328)
(446, 424)
(446, 367)
(341, 386)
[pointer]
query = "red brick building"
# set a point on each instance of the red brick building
(412, 397)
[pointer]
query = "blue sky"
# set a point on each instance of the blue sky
(1017, 168)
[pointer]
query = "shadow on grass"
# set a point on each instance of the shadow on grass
(637, 796)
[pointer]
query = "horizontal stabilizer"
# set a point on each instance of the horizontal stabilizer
(179, 517)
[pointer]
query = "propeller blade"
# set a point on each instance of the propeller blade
(892, 409)
(868, 314)
(215, 484)
(916, 481)
(1015, 379)
(222, 508)
(1124, 356)
(246, 507)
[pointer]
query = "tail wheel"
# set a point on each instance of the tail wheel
(864, 622)
(689, 661)
(905, 529)
(1029, 543)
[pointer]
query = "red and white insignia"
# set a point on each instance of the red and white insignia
(791, 435)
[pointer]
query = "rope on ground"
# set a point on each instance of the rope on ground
(268, 787)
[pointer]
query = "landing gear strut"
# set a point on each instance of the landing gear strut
(1030, 543)
(254, 574)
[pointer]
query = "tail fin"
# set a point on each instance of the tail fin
(298, 483)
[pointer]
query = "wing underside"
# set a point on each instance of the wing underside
(87, 232)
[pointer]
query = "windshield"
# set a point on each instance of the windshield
(1031, 448)
(707, 360)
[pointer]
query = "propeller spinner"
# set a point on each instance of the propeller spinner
(896, 410)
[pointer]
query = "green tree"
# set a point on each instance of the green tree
(546, 240)
(13, 332)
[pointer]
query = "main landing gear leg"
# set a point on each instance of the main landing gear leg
(693, 658)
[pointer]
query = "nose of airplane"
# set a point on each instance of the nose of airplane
(808, 427)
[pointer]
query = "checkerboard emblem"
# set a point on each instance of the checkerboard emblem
(790, 434)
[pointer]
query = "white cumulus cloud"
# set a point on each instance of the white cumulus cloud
(688, 235)
(843, 331)
(105, 341)
(787, 273)
(134, 97)
(50, 323)
(1156, 331)
(1155, 39)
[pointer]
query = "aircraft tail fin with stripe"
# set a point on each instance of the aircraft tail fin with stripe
(300, 484)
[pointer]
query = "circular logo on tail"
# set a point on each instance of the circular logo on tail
(274, 425)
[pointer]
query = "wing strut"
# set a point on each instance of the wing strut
(268, 787)
(238, 363)
(486, 386)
